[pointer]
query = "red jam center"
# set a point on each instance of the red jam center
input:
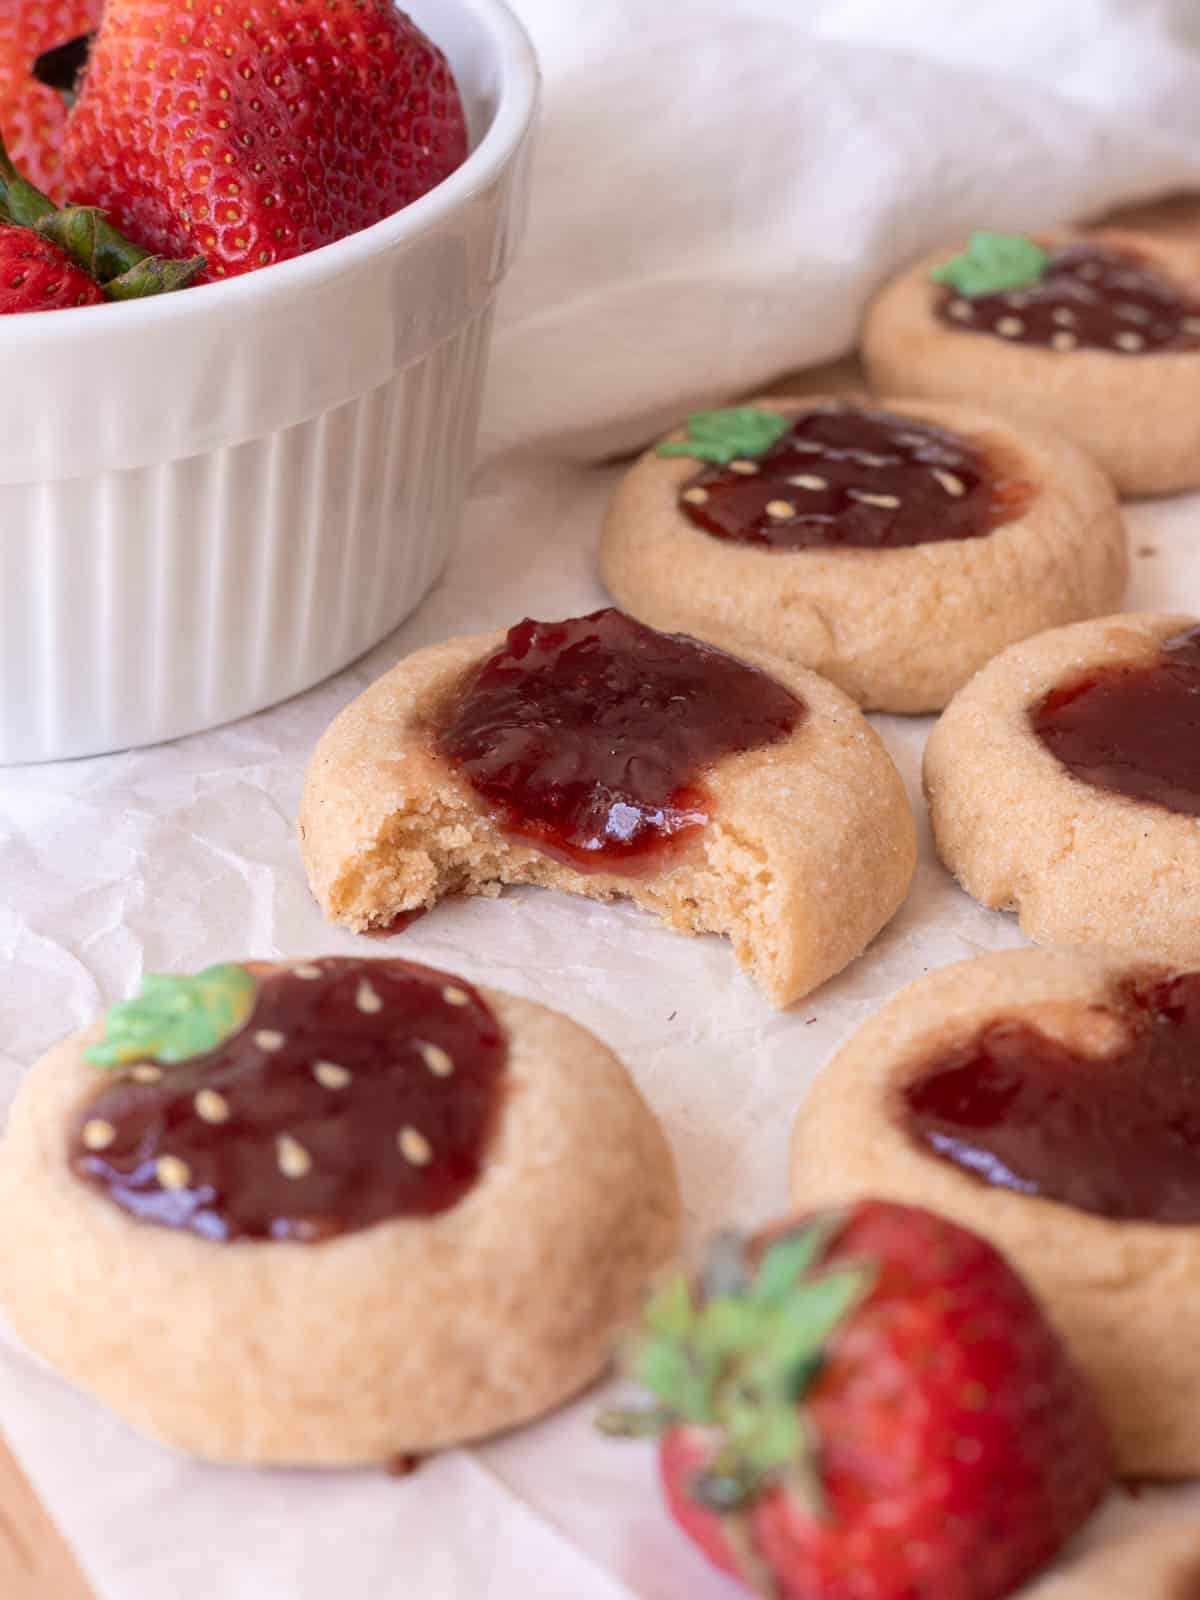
(847, 477)
(1089, 297)
(1132, 730)
(589, 738)
(356, 1092)
(1116, 1135)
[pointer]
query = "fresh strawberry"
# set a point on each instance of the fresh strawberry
(36, 275)
(253, 130)
(102, 254)
(32, 117)
(868, 1407)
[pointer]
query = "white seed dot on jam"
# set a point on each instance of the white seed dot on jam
(961, 310)
(1064, 316)
(269, 1039)
(746, 468)
(330, 1075)
(953, 485)
(809, 480)
(780, 509)
(366, 999)
(454, 996)
(695, 496)
(146, 1072)
(97, 1134)
(415, 1147)
(440, 1062)
(293, 1159)
(172, 1173)
(1129, 341)
(1064, 341)
(1191, 324)
(211, 1106)
(1010, 327)
(885, 502)
(306, 969)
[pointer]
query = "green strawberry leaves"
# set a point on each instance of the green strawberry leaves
(726, 435)
(993, 263)
(124, 269)
(176, 1018)
(737, 1355)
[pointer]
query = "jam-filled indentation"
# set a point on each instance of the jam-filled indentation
(1116, 1134)
(1132, 730)
(845, 477)
(1090, 297)
(356, 1092)
(590, 738)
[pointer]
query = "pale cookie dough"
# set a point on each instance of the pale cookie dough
(406, 1336)
(809, 850)
(898, 629)
(1125, 1295)
(1136, 414)
(1079, 865)
(1131, 1550)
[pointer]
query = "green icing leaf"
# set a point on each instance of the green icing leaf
(723, 436)
(175, 1018)
(992, 263)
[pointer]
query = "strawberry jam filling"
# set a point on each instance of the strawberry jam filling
(1132, 730)
(1117, 1134)
(357, 1091)
(590, 738)
(847, 477)
(1089, 297)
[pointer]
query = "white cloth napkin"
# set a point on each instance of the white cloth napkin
(720, 185)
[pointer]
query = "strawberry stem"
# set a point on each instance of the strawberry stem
(126, 271)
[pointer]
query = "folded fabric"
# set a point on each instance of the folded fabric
(721, 185)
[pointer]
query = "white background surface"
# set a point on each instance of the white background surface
(720, 185)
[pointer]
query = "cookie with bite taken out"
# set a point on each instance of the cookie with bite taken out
(734, 795)
(329, 1212)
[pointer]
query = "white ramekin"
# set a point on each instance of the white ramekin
(209, 502)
